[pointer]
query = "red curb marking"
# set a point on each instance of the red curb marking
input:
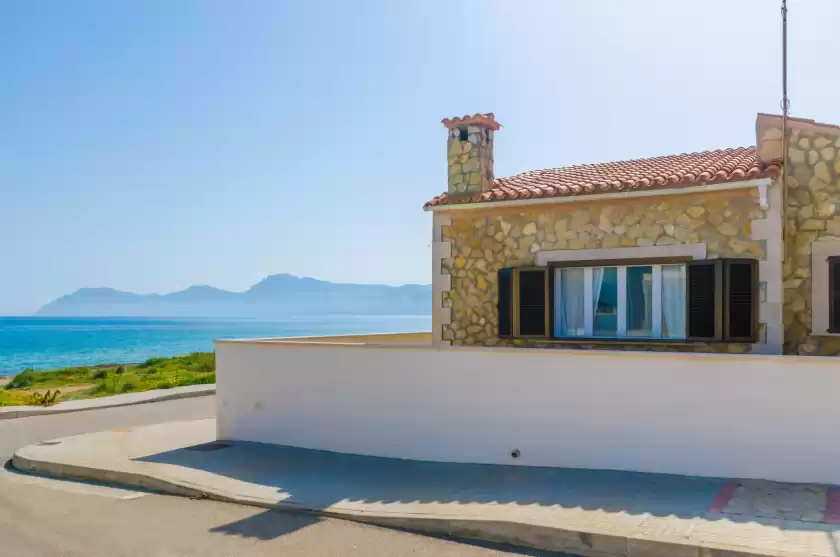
(832, 506)
(725, 494)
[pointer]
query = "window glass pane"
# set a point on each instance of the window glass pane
(568, 303)
(639, 301)
(673, 301)
(605, 301)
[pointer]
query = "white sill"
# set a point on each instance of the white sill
(825, 334)
(618, 340)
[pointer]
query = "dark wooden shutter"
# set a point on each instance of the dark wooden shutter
(834, 294)
(505, 304)
(532, 302)
(741, 300)
(705, 293)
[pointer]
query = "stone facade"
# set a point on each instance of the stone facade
(813, 214)
(484, 241)
(470, 159)
(776, 223)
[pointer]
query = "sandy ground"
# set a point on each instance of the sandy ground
(5, 380)
(63, 390)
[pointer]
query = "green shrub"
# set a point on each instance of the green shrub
(198, 379)
(120, 370)
(65, 376)
(111, 385)
(102, 388)
(13, 398)
(23, 379)
(205, 362)
(100, 374)
(129, 384)
(152, 362)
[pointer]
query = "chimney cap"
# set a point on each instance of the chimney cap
(487, 120)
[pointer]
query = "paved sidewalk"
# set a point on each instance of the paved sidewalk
(587, 512)
(129, 399)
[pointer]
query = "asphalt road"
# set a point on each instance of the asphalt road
(50, 518)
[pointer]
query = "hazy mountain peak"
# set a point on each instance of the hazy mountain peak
(99, 290)
(276, 295)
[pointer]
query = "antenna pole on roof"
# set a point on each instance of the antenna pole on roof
(785, 108)
(785, 100)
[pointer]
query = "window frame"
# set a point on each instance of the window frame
(720, 303)
(832, 327)
(552, 268)
(500, 301)
(821, 251)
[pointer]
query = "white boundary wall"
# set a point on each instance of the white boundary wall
(747, 416)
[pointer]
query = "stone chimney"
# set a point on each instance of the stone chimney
(469, 151)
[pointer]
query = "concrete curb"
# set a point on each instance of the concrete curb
(545, 537)
(132, 399)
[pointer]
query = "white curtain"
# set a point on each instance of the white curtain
(597, 281)
(673, 300)
(568, 303)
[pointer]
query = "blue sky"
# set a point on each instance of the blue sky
(153, 145)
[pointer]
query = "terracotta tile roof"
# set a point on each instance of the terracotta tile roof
(676, 171)
(487, 120)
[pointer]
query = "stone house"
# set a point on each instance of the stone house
(734, 250)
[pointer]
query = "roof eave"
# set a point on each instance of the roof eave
(721, 186)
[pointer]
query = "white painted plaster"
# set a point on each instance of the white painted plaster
(737, 416)
(770, 310)
(763, 202)
(414, 338)
(694, 251)
(441, 282)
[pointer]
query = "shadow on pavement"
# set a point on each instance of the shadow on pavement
(274, 524)
(268, 525)
(319, 479)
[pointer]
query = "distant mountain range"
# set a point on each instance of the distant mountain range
(274, 296)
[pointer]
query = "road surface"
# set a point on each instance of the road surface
(50, 518)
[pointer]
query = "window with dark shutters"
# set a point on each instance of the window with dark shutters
(505, 290)
(720, 303)
(741, 300)
(704, 308)
(834, 294)
(531, 298)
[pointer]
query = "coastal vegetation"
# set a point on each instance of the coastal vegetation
(40, 387)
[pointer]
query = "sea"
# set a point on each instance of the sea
(45, 343)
